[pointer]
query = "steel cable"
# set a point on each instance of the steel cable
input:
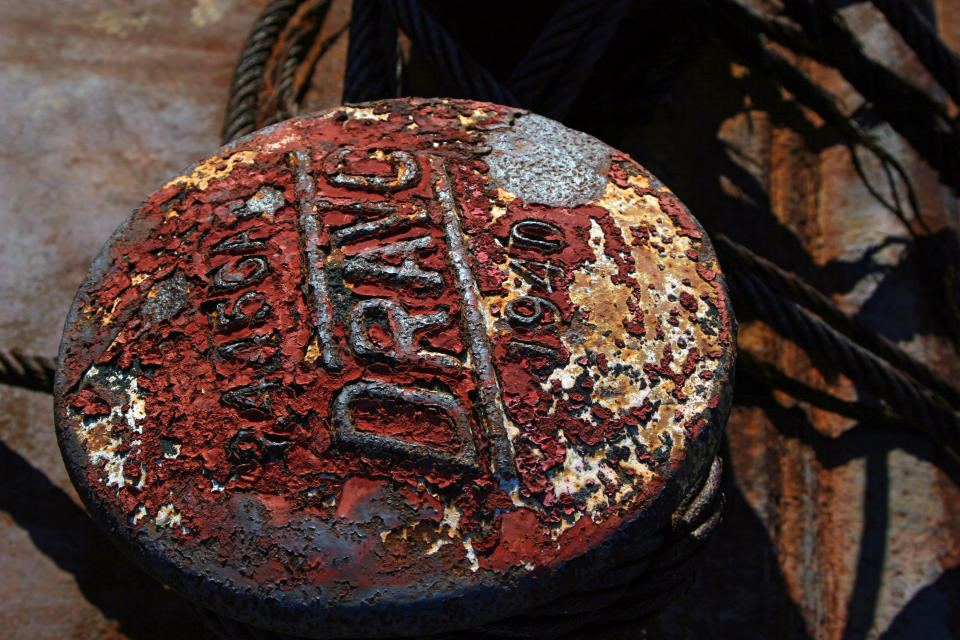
(579, 64)
(456, 65)
(550, 76)
(370, 73)
(284, 78)
(241, 111)
(735, 256)
(27, 371)
(542, 63)
(917, 406)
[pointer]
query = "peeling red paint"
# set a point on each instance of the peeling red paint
(207, 301)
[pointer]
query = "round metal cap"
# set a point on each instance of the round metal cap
(396, 368)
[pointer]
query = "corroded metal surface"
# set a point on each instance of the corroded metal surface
(830, 530)
(344, 363)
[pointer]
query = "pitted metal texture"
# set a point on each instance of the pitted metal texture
(544, 162)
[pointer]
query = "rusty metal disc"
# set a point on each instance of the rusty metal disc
(398, 368)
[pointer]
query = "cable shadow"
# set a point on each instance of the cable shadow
(873, 443)
(865, 596)
(856, 442)
(908, 301)
(61, 530)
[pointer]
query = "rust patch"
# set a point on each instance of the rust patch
(343, 363)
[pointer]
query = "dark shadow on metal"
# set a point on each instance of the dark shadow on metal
(144, 609)
(723, 602)
(903, 304)
(929, 615)
(874, 443)
(862, 608)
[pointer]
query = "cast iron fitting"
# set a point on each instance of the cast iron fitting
(403, 369)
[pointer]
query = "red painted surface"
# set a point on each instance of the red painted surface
(278, 442)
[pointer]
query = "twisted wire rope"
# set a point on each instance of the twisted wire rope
(917, 406)
(455, 64)
(580, 63)
(542, 63)
(285, 80)
(736, 257)
(28, 371)
(241, 111)
(371, 53)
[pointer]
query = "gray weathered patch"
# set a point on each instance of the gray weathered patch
(165, 300)
(544, 162)
(266, 201)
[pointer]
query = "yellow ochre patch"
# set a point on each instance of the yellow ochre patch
(216, 168)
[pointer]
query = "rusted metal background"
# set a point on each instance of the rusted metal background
(833, 529)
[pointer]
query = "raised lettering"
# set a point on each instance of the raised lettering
(238, 243)
(390, 223)
(527, 269)
(342, 417)
(537, 235)
(314, 256)
(400, 326)
(404, 164)
(242, 273)
(261, 350)
(551, 356)
(252, 396)
(224, 319)
(378, 207)
(530, 310)
(374, 263)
